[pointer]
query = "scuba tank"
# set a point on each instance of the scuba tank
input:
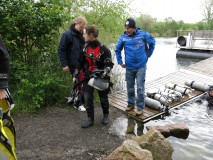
(181, 89)
(196, 85)
(154, 104)
(153, 93)
(174, 95)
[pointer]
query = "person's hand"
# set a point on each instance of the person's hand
(123, 65)
(3, 93)
(66, 68)
(74, 80)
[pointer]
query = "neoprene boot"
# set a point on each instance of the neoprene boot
(105, 119)
(88, 123)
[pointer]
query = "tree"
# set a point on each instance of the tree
(31, 32)
(108, 16)
(146, 22)
(207, 7)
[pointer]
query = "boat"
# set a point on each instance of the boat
(195, 44)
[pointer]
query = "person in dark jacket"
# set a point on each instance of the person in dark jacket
(7, 131)
(70, 46)
(138, 46)
(95, 57)
(4, 70)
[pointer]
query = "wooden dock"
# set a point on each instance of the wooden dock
(201, 72)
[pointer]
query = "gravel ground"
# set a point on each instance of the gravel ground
(56, 134)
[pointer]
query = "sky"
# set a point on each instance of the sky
(190, 11)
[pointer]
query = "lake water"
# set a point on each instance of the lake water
(197, 116)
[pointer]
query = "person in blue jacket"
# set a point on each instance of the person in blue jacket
(138, 46)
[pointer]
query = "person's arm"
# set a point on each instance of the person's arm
(108, 64)
(79, 66)
(118, 49)
(4, 69)
(62, 51)
(151, 42)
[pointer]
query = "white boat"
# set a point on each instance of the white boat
(195, 44)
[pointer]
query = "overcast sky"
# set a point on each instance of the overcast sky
(187, 10)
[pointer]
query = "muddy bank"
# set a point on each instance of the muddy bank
(56, 133)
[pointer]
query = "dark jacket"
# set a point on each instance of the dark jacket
(105, 60)
(4, 65)
(69, 48)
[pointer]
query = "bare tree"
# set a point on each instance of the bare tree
(207, 8)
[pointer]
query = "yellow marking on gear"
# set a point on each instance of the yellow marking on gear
(11, 137)
(5, 154)
(4, 105)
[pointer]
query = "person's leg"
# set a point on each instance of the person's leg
(105, 106)
(71, 98)
(140, 78)
(80, 100)
(130, 79)
(81, 106)
(88, 96)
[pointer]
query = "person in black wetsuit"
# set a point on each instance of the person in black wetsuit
(95, 56)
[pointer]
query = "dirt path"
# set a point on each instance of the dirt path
(56, 134)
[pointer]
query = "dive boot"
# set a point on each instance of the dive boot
(105, 120)
(88, 123)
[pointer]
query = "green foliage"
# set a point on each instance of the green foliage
(31, 32)
(146, 22)
(108, 16)
(168, 27)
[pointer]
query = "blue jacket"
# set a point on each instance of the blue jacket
(134, 49)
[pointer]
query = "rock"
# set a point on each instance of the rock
(130, 150)
(157, 144)
(179, 130)
(165, 131)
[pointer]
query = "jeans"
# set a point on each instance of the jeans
(139, 76)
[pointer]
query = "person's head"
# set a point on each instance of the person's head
(90, 33)
(211, 90)
(80, 23)
(130, 26)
